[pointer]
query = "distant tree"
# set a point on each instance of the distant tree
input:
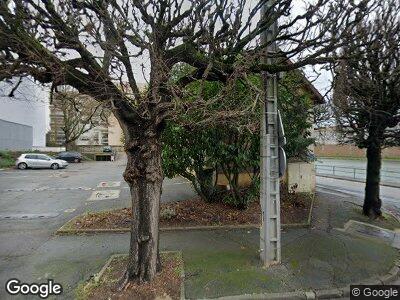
(80, 113)
(367, 94)
(98, 46)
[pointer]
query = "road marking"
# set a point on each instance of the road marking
(22, 216)
(104, 195)
(69, 210)
(109, 184)
(42, 189)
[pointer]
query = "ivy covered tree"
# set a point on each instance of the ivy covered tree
(367, 94)
(99, 47)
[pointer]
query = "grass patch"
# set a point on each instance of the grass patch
(6, 159)
(309, 261)
(166, 284)
(350, 211)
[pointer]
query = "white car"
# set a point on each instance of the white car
(35, 160)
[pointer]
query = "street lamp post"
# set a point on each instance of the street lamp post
(270, 232)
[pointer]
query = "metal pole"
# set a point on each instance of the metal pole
(270, 232)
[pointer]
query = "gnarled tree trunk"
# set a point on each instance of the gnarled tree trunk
(70, 145)
(372, 201)
(144, 175)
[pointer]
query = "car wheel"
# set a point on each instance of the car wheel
(76, 160)
(22, 166)
(55, 166)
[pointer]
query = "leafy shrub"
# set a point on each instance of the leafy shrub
(6, 159)
(167, 213)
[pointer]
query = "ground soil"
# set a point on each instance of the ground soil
(166, 284)
(195, 212)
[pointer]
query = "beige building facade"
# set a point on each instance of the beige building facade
(115, 134)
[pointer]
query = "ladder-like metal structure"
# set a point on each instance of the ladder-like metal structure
(270, 232)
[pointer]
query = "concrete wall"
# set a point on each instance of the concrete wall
(97, 148)
(114, 132)
(299, 177)
(351, 151)
(49, 149)
(14, 136)
(244, 180)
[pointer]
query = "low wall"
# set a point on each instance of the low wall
(351, 151)
(97, 148)
(49, 149)
(244, 180)
(299, 178)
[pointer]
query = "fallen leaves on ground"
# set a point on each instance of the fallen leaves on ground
(196, 212)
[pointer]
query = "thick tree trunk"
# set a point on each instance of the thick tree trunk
(144, 175)
(70, 146)
(372, 201)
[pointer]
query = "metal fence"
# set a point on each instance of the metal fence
(355, 173)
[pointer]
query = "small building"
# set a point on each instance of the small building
(23, 114)
(15, 136)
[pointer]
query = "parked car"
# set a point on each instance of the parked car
(107, 149)
(35, 160)
(70, 156)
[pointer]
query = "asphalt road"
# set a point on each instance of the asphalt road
(390, 172)
(390, 195)
(35, 203)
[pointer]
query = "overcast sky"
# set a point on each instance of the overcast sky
(29, 106)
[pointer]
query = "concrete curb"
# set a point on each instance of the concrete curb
(386, 279)
(64, 230)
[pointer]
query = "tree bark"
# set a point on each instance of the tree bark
(144, 175)
(70, 146)
(372, 201)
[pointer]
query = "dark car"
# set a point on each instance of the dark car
(107, 149)
(70, 156)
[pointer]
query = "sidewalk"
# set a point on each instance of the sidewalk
(226, 262)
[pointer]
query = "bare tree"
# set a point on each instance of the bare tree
(99, 46)
(80, 114)
(367, 94)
